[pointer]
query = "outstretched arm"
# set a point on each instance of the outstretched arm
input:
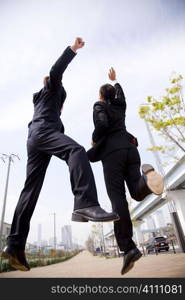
(120, 96)
(61, 64)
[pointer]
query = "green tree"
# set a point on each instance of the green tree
(167, 116)
(95, 238)
(90, 244)
(97, 232)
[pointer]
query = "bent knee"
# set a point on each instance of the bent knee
(78, 150)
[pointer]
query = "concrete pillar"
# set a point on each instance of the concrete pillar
(179, 198)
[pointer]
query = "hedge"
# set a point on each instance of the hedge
(36, 262)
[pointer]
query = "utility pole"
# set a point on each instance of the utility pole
(54, 230)
(10, 160)
(102, 236)
(171, 204)
(155, 152)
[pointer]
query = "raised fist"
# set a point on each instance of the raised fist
(79, 43)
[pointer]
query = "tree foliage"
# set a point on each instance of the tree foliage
(96, 237)
(167, 116)
(90, 244)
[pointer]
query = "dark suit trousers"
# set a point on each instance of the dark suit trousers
(119, 167)
(41, 145)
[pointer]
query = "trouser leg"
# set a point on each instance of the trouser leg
(135, 181)
(36, 168)
(113, 166)
(81, 175)
(82, 179)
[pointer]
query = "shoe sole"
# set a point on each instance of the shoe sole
(14, 262)
(131, 265)
(155, 181)
(80, 218)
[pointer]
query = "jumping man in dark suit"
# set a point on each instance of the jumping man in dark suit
(46, 138)
(117, 149)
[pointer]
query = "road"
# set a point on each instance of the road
(86, 265)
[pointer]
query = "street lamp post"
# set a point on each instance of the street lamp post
(54, 229)
(10, 160)
(103, 239)
(156, 153)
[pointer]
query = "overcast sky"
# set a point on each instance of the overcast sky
(144, 40)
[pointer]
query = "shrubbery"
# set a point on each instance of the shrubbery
(35, 261)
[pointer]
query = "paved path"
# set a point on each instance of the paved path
(86, 265)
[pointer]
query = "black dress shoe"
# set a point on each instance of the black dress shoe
(129, 259)
(154, 181)
(94, 214)
(17, 258)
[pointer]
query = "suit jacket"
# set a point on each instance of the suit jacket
(110, 132)
(49, 100)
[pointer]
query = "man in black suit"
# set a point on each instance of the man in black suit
(117, 149)
(46, 138)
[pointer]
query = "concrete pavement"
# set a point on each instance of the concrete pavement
(86, 265)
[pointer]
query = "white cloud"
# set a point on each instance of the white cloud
(16, 116)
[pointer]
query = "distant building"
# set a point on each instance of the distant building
(52, 242)
(31, 248)
(150, 222)
(44, 243)
(160, 219)
(67, 237)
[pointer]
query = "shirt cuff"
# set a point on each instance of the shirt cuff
(73, 50)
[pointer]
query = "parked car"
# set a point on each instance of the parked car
(157, 244)
(98, 250)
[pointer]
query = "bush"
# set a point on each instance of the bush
(39, 261)
(5, 267)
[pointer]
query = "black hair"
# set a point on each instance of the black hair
(108, 92)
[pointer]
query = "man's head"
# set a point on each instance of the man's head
(107, 92)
